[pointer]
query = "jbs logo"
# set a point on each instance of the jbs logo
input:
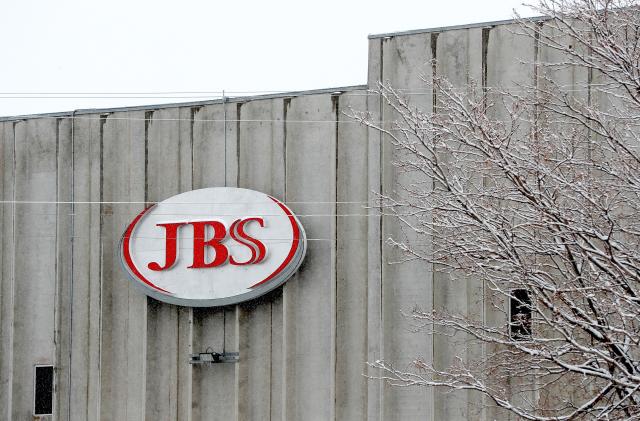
(200, 248)
(201, 244)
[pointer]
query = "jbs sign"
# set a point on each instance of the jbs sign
(213, 247)
(221, 252)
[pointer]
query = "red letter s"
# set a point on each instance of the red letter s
(258, 250)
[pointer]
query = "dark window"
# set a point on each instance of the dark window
(43, 390)
(520, 314)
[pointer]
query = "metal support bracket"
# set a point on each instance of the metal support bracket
(214, 357)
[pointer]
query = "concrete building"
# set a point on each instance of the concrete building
(71, 182)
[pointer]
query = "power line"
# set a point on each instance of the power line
(139, 92)
(341, 91)
(267, 240)
(134, 213)
(213, 215)
(57, 202)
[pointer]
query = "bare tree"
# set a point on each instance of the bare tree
(535, 193)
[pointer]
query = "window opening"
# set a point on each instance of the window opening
(520, 314)
(43, 390)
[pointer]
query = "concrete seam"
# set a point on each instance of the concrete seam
(334, 336)
(224, 129)
(13, 281)
(485, 65)
(238, 118)
(434, 107)
(270, 359)
(192, 113)
(381, 228)
(103, 121)
(2, 241)
(536, 83)
(71, 182)
(59, 269)
(179, 155)
(190, 371)
(148, 115)
(236, 347)
(57, 342)
(485, 51)
(536, 65)
(286, 104)
(147, 122)
(194, 110)
(366, 285)
(239, 310)
(131, 293)
(178, 342)
(189, 386)
(127, 331)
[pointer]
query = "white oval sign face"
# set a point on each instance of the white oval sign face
(213, 247)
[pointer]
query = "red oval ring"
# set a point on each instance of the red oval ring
(127, 253)
(294, 245)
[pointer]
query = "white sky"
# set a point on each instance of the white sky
(139, 48)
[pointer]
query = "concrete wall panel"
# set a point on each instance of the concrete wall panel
(509, 64)
(261, 167)
(63, 300)
(35, 271)
(124, 308)
(574, 82)
(86, 290)
(459, 60)
(209, 149)
(185, 314)
(278, 361)
(7, 212)
(214, 388)
(168, 169)
(374, 244)
(311, 190)
(404, 61)
(351, 261)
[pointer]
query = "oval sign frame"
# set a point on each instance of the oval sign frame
(284, 271)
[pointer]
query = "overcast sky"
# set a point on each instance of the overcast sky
(116, 53)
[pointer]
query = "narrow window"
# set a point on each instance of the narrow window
(520, 314)
(43, 390)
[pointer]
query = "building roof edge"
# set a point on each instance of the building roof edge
(234, 99)
(454, 27)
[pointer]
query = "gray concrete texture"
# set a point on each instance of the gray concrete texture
(66, 301)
